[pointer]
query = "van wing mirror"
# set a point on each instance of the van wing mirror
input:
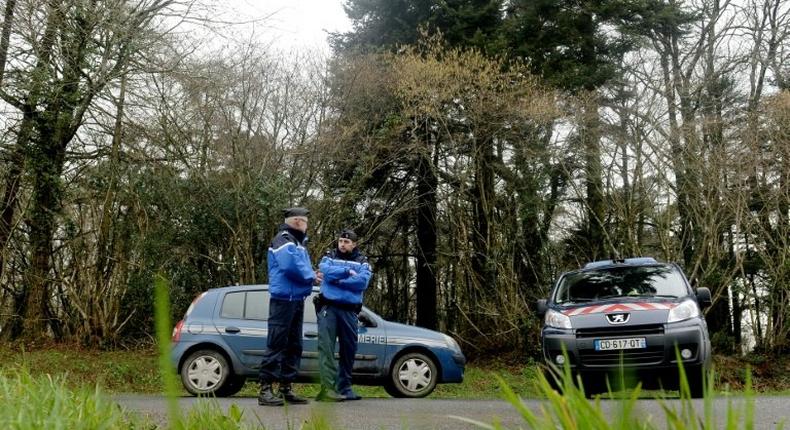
(542, 307)
(703, 297)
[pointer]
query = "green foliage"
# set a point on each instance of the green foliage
(569, 408)
(42, 402)
(383, 23)
(162, 315)
(210, 415)
(565, 42)
(390, 23)
(199, 231)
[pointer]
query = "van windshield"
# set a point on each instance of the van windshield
(601, 284)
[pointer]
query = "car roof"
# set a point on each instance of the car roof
(636, 261)
(248, 287)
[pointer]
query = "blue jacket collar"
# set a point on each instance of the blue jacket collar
(348, 256)
(299, 235)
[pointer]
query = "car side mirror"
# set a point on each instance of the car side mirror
(365, 320)
(703, 297)
(542, 307)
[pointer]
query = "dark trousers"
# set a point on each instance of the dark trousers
(335, 323)
(284, 343)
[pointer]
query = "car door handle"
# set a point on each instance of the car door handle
(311, 334)
(232, 330)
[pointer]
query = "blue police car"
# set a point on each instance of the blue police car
(219, 344)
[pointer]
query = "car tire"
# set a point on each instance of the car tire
(696, 384)
(233, 385)
(554, 379)
(205, 372)
(413, 375)
(594, 384)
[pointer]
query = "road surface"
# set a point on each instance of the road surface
(388, 413)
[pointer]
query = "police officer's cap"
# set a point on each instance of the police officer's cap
(297, 211)
(349, 234)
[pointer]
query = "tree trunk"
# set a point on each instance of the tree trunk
(426, 243)
(596, 236)
(48, 156)
(56, 126)
(670, 70)
(484, 197)
(35, 311)
(9, 204)
(98, 329)
(8, 21)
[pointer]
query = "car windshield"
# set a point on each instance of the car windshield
(618, 282)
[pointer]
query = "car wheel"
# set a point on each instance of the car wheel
(696, 384)
(205, 372)
(554, 379)
(233, 385)
(412, 375)
(593, 385)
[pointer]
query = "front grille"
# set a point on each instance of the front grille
(649, 355)
(620, 331)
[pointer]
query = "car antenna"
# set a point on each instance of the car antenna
(615, 256)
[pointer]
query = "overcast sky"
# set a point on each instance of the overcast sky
(294, 23)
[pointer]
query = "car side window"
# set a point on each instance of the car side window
(257, 306)
(233, 306)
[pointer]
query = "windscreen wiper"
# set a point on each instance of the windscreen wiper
(660, 296)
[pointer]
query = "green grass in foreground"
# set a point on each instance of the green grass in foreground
(42, 402)
(570, 409)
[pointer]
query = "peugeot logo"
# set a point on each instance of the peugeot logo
(620, 318)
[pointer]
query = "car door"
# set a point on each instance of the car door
(371, 345)
(309, 364)
(242, 323)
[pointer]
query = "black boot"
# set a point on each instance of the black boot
(329, 395)
(289, 396)
(267, 397)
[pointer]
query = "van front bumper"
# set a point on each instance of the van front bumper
(664, 344)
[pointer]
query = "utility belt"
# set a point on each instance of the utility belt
(320, 301)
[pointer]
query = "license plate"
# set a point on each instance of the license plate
(618, 344)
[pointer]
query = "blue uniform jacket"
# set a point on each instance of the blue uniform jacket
(338, 284)
(291, 274)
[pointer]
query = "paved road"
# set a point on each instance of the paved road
(386, 413)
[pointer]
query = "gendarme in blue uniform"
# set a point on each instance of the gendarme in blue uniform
(291, 275)
(291, 279)
(346, 276)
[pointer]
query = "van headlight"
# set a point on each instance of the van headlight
(686, 310)
(557, 319)
(451, 343)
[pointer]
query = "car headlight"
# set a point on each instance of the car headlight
(557, 319)
(451, 343)
(683, 311)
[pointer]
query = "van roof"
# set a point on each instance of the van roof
(635, 261)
